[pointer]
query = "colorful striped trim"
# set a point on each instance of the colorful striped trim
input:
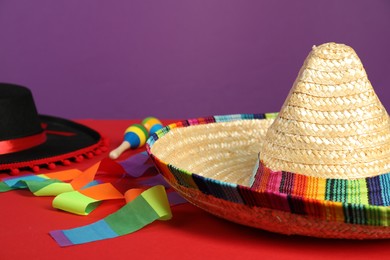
(205, 120)
(359, 201)
(365, 191)
(362, 201)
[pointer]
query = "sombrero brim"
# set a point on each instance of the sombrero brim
(66, 141)
(210, 161)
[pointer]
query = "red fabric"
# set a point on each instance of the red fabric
(23, 143)
(25, 221)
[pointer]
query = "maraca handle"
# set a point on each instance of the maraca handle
(114, 154)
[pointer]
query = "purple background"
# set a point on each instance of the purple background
(179, 58)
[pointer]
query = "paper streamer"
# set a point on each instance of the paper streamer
(175, 199)
(136, 165)
(83, 202)
(85, 178)
(49, 187)
(39, 185)
(51, 184)
(154, 180)
(79, 196)
(147, 207)
(14, 183)
(77, 192)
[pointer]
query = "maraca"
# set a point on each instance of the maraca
(152, 124)
(135, 136)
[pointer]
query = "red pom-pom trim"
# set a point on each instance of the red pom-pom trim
(15, 171)
(51, 166)
(65, 159)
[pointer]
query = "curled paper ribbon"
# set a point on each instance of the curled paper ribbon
(77, 192)
(148, 206)
(51, 184)
(79, 196)
(84, 201)
(136, 165)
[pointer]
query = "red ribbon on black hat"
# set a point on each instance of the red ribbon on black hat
(24, 143)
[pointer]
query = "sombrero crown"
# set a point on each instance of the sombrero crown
(332, 124)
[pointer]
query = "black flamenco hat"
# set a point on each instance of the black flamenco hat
(31, 141)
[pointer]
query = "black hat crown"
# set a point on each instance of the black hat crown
(18, 114)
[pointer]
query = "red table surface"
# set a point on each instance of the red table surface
(191, 234)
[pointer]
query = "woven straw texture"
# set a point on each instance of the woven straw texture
(332, 124)
(210, 164)
(211, 149)
(322, 166)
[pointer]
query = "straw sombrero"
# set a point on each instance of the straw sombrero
(320, 168)
(30, 141)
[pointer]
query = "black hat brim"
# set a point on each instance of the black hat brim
(65, 140)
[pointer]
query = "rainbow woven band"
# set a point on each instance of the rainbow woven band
(206, 120)
(362, 201)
